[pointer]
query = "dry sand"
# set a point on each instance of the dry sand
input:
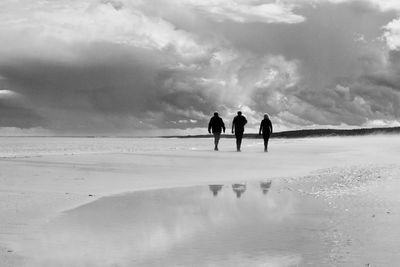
(41, 177)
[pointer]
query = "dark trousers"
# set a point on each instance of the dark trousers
(239, 136)
(217, 136)
(266, 139)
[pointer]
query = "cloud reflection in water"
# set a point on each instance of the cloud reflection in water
(195, 226)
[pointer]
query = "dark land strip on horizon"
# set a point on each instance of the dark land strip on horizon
(307, 133)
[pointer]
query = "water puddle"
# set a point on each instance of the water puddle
(249, 224)
(343, 217)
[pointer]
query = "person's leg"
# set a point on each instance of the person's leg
(216, 140)
(240, 140)
(266, 139)
(239, 136)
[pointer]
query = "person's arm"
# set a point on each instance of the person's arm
(223, 125)
(270, 126)
(245, 122)
(259, 132)
(233, 124)
(209, 126)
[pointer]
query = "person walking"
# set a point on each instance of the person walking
(216, 125)
(238, 128)
(265, 130)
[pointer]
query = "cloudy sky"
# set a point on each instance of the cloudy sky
(131, 67)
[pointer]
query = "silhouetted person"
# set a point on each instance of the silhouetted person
(239, 189)
(265, 186)
(216, 125)
(265, 130)
(215, 188)
(238, 128)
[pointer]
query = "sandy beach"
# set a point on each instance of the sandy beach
(347, 188)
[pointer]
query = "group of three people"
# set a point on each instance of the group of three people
(217, 126)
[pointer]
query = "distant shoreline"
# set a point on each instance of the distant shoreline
(284, 134)
(308, 133)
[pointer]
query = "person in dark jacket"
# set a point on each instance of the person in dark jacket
(216, 125)
(238, 128)
(265, 130)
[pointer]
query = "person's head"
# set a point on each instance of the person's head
(215, 114)
(239, 113)
(266, 116)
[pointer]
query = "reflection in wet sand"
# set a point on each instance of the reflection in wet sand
(239, 189)
(185, 227)
(337, 217)
(215, 188)
(265, 186)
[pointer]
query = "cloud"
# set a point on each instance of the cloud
(114, 88)
(54, 24)
(7, 94)
(14, 110)
(385, 5)
(247, 11)
(14, 131)
(392, 34)
(382, 5)
(109, 67)
(18, 116)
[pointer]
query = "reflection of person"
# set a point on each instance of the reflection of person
(266, 130)
(215, 188)
(238, 128)
(239, 189)
(217, 125)
(265, 186)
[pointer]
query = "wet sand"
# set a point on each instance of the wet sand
(332, 202)
(340, 217)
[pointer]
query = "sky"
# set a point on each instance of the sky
(138, 67)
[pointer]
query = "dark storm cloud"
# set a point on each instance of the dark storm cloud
(344, 80)
(338, 45)
(324, 43)
(389, 74)
(115, 4)
(111, 83)
(16, 116)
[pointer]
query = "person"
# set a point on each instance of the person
(238, 128)
(265, 130)
(216, 125)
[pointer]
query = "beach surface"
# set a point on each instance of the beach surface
(334, 201)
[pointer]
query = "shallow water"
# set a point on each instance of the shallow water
(334, 218)
(256, 224)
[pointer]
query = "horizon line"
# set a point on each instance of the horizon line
(207, 134)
